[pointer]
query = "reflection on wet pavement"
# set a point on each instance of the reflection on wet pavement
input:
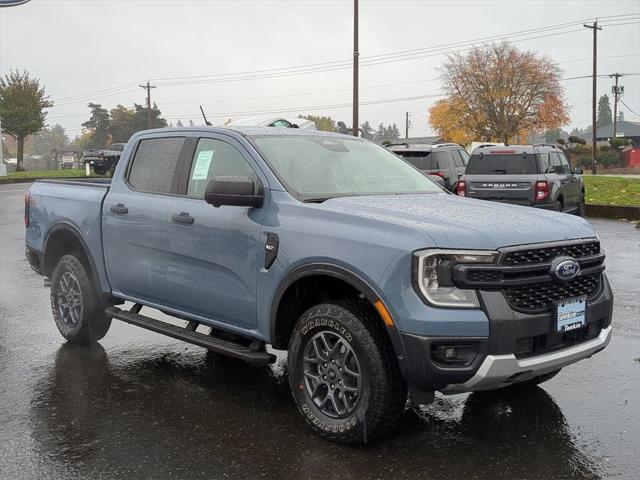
(140, 412)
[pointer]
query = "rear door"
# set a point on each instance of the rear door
(212, 267)
(135, 221)
(502, 177)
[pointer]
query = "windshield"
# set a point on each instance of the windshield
(317, 167)
(502, 164)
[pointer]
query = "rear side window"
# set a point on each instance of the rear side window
(216, 158)
(502, 164)
(545, 163)
(457, 158)
(420, 160)
(441, 160)
(154, 164)
(565, 164)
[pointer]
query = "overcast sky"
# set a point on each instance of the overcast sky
(104, 49)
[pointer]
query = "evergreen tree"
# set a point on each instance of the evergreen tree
(604, 112)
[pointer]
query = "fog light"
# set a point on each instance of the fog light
(450, 353)
(461, 355)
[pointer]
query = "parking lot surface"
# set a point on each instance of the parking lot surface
(140, 405)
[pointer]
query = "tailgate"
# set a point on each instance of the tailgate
(509, 188)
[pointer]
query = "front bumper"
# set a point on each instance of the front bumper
(499, 371)
(519, 346)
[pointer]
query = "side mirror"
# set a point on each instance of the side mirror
(577, 171)
(239, 191)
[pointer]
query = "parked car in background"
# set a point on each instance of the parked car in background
(104, 160)
(277, 122)
(445, 160)
(532, 175)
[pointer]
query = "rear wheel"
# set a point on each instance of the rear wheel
(100, 169)
(559, 206)
(78, 314)
(343, 373)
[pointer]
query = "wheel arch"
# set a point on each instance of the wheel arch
(62, 239)
(282, 318)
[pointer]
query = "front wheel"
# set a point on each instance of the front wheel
(343, 373)
(74, 301)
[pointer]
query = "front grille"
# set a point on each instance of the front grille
(524, 275)
(546, 254)
(484, 276)
(541, 296)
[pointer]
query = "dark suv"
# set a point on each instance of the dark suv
(445, 160)
(533, 175)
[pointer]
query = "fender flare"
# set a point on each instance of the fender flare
(347, 276)
(68, 227)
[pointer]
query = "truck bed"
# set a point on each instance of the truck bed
(69, 204)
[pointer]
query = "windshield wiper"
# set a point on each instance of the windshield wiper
(499, 170)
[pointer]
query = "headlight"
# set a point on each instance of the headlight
(433, 276)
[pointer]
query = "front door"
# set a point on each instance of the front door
(213, 266)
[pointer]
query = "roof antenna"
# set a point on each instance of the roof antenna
(206, 122)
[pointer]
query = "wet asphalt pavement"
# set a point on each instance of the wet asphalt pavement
(140, 405)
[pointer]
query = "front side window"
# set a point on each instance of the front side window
(315, 167)
(154, 164)
(215, 158)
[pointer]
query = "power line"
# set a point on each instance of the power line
(342, 64)
(628, 107)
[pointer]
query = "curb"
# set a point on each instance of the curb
(620, 212)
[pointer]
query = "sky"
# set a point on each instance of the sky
(244, 58)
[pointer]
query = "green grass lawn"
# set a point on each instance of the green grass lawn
(47, 174)
(612, 190)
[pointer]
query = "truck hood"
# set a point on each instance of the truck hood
(457, 222)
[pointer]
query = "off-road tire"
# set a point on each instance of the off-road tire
(383, 393)
(89, 322)
(100, 170)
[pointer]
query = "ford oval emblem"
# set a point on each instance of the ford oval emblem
(565, 268)
(11, 3)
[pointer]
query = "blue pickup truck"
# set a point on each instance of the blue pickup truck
(378, 282)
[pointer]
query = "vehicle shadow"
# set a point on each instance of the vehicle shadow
(164, 412)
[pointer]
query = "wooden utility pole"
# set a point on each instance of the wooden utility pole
(594, 99)
(148, 88)
(406, 125)
(356, 122)
(617, 91)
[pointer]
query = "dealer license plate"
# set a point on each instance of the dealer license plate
(570, 314)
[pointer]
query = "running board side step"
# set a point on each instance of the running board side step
(252, 354)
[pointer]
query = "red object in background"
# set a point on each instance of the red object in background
(631, 158)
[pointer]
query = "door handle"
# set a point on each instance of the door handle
(184, 218)
(119, 209)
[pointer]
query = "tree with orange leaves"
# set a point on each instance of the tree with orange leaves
(498, 93)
